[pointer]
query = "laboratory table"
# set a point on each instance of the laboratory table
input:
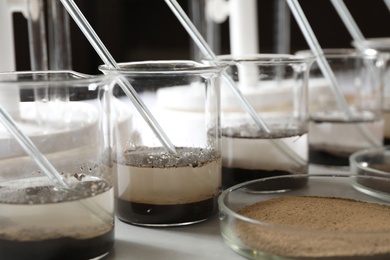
(193, 242)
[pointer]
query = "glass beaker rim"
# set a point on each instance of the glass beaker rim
(50, 76)
(260, 59)
(339, 53)
(163, 67)
(378, 42)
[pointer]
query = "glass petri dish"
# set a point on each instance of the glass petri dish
(315, 216)
(372, 162)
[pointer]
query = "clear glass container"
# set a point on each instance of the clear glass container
(67, 211)
(381, 45)
(312, 216)
(276, 88)
(372, 162)
(337, 131)
(153, 186)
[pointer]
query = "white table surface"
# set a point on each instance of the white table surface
(198, 241)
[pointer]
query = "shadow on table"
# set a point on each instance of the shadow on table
(209, 228)
(130, 250)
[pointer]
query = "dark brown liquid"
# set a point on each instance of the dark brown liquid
(386, 141)
(233, 176)
(321, 157)
(153, 214)
(58, 249)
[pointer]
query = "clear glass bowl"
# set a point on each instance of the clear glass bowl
(372, 162)
(336, 224)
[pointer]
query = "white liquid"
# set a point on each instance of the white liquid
(178, 184)
(23, 218)
(343, 138)
(258, 153)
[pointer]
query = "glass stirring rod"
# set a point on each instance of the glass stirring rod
(206, 50)
(107, 58)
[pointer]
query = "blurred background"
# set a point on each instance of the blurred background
(135, 30)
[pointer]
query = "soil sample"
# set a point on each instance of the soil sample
(317, 228)
(157, 189)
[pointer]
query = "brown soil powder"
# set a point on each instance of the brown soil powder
(381, 167)
(328, 228)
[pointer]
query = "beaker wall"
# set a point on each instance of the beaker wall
(153, 186)
(275, 86)
(64, 212)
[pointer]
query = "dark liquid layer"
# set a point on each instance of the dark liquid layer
(59, 248)
(386, 141)
(151, 214)
(233, 176)
(321, 157)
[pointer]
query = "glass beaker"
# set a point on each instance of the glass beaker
(153, 186)
(275, 86)
(381, 45)
(334, 132)
(61, 113)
